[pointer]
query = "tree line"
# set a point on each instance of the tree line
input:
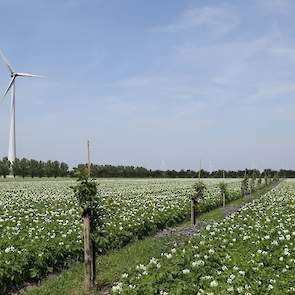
(34, 168)
(132, 171)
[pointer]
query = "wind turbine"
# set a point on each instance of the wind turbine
(11, 86)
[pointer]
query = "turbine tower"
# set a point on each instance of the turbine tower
(11, 86)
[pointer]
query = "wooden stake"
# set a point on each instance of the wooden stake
(89, 245)
(193, 212)
(87, 254)
(200, 169)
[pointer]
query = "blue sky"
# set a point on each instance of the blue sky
(160, 84)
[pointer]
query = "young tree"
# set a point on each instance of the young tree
(265, 179)
(276, 177)
(252, 182)
(91, 211)
(224, 192)
(198, 194)
(244, 185)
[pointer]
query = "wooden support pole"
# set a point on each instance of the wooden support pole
(193, 212)
(89, 245)
(87, 254)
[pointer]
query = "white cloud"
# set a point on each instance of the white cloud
(284, 53)
(220, 19)
(275, 6)
(279, 90)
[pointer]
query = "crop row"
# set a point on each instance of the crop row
(249, 252)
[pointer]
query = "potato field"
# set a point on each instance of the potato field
(41, 229)
(249, 252)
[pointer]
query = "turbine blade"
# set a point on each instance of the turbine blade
(6, 62)
(29, 75)
(8, 88)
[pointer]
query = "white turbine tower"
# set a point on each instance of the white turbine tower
(11, 86)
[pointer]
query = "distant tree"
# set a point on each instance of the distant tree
(157, 173)
(41, 169)
(217, 174)
(182, 173)
(23, 167)
(64, 169)
(4, 167)
(55, 168)
(171, 173)
(15, 167)
(48, 169)
(33, 168)
(204, 173)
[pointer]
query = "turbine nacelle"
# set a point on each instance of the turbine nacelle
(13, 74)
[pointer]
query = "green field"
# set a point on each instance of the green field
(41, 230)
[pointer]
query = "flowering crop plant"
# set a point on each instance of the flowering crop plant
(41, 229)
(249, 252)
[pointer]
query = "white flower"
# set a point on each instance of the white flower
(117, 288)
(214, 284)
(211, 251)
(153, 260)
(185, 271)
(9, 249)
(270, 287)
